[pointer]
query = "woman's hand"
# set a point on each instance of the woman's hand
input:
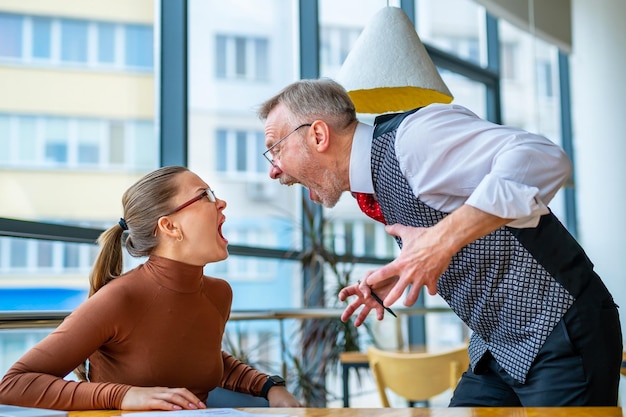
(159, 398)
(279, 397)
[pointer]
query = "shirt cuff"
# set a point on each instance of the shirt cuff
(509, 200)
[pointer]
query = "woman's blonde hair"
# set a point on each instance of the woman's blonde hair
(143, 204)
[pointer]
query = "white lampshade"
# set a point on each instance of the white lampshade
(389, 70)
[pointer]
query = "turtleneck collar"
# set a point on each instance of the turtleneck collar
(174, 275)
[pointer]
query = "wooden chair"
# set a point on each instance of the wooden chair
(416, 376)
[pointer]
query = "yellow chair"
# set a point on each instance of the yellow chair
(416, 376)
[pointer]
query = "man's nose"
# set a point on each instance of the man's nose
(275, 172)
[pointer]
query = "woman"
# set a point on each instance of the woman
(151, 338)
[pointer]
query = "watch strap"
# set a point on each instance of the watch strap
(272, 381)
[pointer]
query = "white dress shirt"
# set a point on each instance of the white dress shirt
(451, 157)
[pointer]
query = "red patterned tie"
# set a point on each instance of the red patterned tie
(369, 206)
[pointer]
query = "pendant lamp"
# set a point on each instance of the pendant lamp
(389, 70)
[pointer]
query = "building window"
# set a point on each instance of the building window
(335, 44)
(73, 41)
(360, 238)
(75, 142)
(10, 35)
(106, 43)
(240, 151)
(85, 43)
(42, 29)
(508, 52)
(240, 57)
(544, 79)
(139, 46)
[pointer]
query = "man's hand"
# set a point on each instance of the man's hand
(159, 398)
(421, 262)
(363, 298)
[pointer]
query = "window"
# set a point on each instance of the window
(139, 45)
(80, 43)
(61, 142)
(454, 26)
(240, 151)
(106, 43)
(56, 141)
(18, 253)
(10, 35)
(240, 57)
(73, 41)
(335, 44)
(360, 238)
(5, 139)
(42, 28)
(88, 148)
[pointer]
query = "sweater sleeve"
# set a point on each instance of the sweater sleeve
(37, 378)
(241, 377)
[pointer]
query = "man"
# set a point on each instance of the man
(466, 200)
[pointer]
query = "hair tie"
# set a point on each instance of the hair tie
(123, 224)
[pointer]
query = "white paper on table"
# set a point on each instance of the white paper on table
(206, 412)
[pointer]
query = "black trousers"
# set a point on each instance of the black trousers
(579, 365)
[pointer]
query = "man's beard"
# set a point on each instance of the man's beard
(323, 181)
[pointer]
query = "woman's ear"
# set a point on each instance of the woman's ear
(166, 226)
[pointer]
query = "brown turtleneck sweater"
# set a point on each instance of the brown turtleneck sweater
(160, 324)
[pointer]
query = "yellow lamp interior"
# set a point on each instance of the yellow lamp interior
(394, 99)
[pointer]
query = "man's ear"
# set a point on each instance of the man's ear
(321, 130)
(166, 226)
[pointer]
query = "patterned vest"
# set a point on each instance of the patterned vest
(510, 287)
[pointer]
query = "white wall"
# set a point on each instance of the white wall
(598, 68)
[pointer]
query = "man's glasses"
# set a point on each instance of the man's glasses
(208, 193)
(269, 154)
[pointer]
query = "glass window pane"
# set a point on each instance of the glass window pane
(88, 142)
(261, 54)
(27, 142)
(224, 88)
(73, 40)
(340, 25)
(529, 85)
(116, 143)
(44, 254)
(139, 46)
(242, 149)
(146, 150)
(56, 141)
(467, 92)
(10, 35)
(46, 135)
(461, 33)
(262, 163)
(70, 255)
(240, 56)
(41, 37)
(106, 43)
(221, 151)
(19, 253)
(5, 139)
(220, 56)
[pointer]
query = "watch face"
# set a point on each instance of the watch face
(276, 380)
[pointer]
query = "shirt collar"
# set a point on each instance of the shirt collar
(361, 160)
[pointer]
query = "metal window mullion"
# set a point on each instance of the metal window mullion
(173, 106)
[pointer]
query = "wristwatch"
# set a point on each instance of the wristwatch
(272, 381)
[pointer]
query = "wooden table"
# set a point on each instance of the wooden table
(411, 412)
